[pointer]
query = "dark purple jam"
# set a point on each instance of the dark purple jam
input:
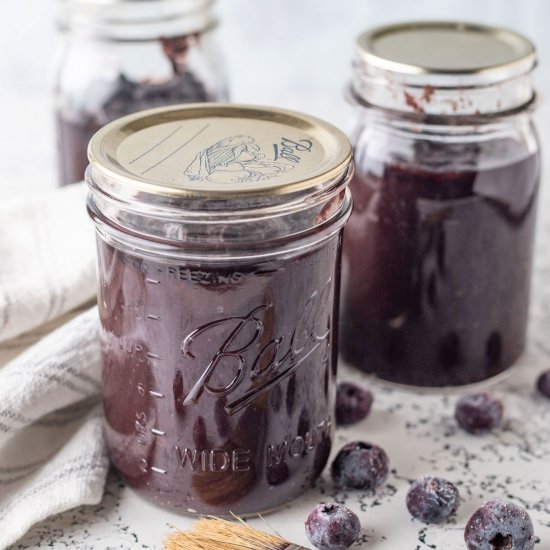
(218, 383)
(123, 97)
(437, 267)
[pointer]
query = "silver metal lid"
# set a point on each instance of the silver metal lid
(135, 20)
(444, 68)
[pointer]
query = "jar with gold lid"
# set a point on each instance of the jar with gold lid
(438, 251)
(219, 231)
(117, 57)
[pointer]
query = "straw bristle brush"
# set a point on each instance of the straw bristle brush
(219, 534)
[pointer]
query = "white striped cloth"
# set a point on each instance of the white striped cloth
(52, 454)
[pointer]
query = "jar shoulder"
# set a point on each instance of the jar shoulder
(442, 148)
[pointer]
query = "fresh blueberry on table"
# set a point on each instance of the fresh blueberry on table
(432, 499)
(360, 465)
(499, 525)
(479, 413)
(332, 526)
(353, 403)
(543, 384)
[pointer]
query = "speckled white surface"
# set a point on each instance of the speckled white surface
(420, 436)
(417, 431)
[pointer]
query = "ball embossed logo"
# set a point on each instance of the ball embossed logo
(247, 359)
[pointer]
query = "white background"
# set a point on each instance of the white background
(291, 53)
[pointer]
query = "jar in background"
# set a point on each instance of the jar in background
(219, 233)
(437, 253)
(123, 56)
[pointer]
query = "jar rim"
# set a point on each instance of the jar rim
(136, 20)
(252, 249)
(472, 120)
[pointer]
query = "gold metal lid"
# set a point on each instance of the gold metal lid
(445, 48)
(444, 68)
(218, 150)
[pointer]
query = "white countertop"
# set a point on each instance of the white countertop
(420, 437)
(304, 65)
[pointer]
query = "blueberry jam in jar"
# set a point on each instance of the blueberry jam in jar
(219, 232)
(438, 250)
(119, 57)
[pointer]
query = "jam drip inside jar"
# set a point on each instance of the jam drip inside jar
(438, 263)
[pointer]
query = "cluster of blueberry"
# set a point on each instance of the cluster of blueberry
(496, 524)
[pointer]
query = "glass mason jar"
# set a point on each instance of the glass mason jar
(219, 232)
(121, 56)
(437, 253)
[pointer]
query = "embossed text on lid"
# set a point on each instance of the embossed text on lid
(219, 149)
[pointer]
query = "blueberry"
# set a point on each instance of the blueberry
(278, 473)
(353, 403)
(499, 525)
(360, 465)
(332, 526)
(543, 383)
(432, 499)
(479, 413)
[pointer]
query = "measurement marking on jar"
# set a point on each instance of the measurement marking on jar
(158, 470)
(154, 356)
(152, 281)
(155, 394)
(157, 432)
(152, 317)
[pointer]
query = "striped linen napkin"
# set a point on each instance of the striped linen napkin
(52, 455)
